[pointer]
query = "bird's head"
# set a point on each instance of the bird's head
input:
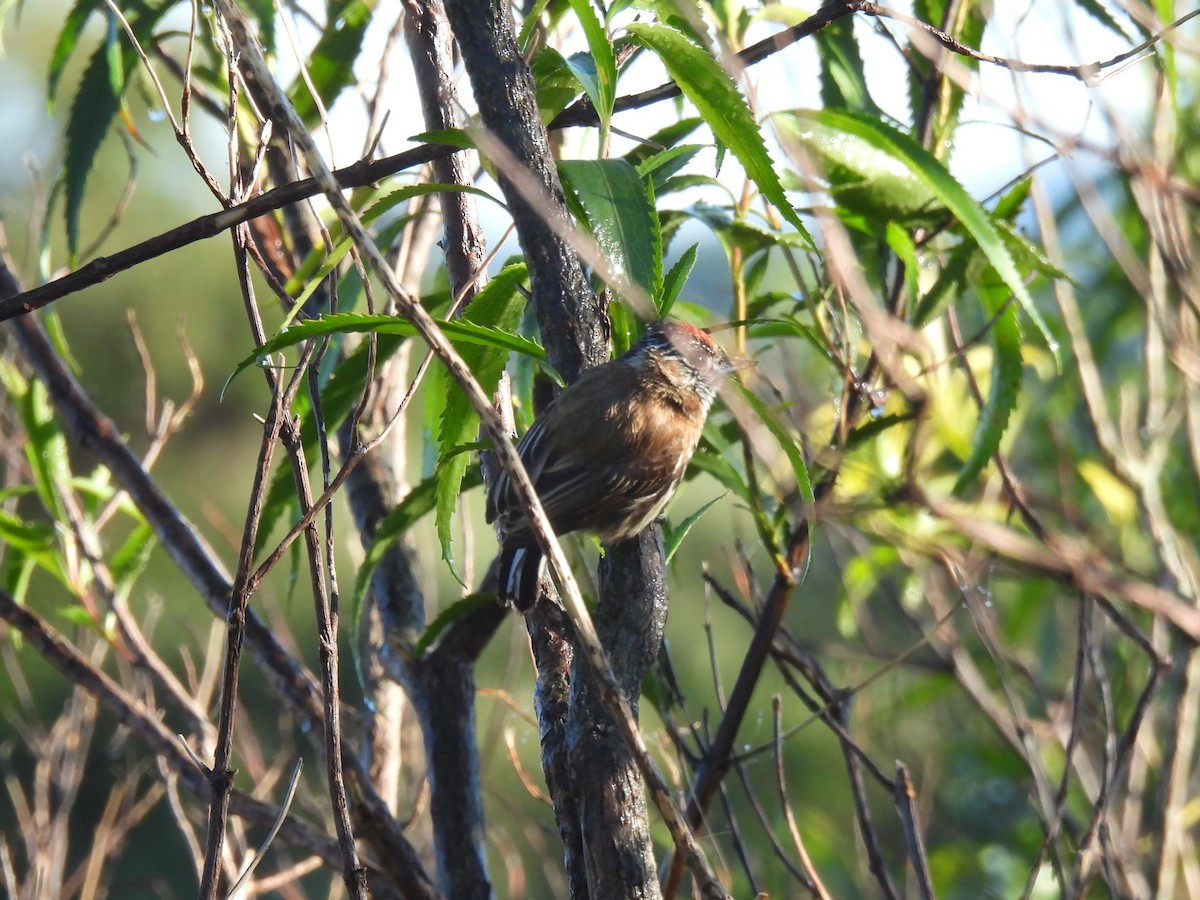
(687, 357)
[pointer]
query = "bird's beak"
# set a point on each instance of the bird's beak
(737, 363)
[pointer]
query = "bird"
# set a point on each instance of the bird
(607, 454)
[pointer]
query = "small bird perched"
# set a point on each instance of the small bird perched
(606, 455)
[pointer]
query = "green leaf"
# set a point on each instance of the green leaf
(331, 65)
(263, 13)
(949, 282)
(673, 536)
(600, 82)
(899, 239)
(45, 448)
(950, 194)
(68, 40)
(92, 112)
(1013, 199)
(25, 537)
(319, 264)
(338, 397)
(497, 308)
(707, 459)
(448, 617)
(661, 166)
(460, 331)
(667, 136)
(532, 16)
(675, 279)
(624, 327)
(556, 83)
(789, 327)
(417, 504)
(620, 214)
(452, 137)
(735, 234)
(789, 443)
(131, 558)
(843, 81)
(1097, 11)
(716, 97)
(863, 177)
(1005, 387)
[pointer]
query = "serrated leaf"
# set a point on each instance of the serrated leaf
(940, 111)
(843, 82)
(532, 16)
(691, 180)
(96, 104)
(417, 504)
(68, 40)
(945, 289)
(1004, 390)
(92, 112)
(497, 307)
(675, 279)
(619, 210)
(736, 234)
(974, 219)
(319, 264)
(663, 165)
(330, 67)
(863, 177)
(791, 327)
(460, 331)
(1013, 199)
(722, 106)
(338, 397)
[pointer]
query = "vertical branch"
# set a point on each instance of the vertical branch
(551, 641)
(430, 46)
(221, 775)
(327, 625)
(613, 820)
(569, 316)
(906, 796)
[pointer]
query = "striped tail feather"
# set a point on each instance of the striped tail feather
(520, 574)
